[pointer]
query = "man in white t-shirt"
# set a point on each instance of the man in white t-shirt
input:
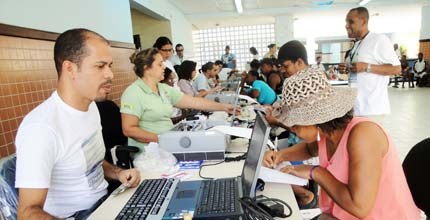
(420, 67)
(370, 63)
(178, 58)
(319, 65)
(60, 170)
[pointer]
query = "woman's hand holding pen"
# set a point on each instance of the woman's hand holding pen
(273, 158)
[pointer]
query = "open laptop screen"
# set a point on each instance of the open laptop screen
(257, 146)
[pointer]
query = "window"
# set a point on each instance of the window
(209, 44)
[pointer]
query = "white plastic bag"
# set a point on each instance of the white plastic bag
(155, 159)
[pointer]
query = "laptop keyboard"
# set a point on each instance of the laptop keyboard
(218, 196)
(147, 199)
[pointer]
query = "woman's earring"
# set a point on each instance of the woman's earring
(318, 135)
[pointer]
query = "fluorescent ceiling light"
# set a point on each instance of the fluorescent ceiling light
(238, 4)
(364, 2)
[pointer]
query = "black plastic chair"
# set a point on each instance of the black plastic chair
(114, 138)
(415, 167)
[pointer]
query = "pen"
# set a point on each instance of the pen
(275, 149)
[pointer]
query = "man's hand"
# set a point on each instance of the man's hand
(358, 67)
(230, 108)
(130, 177)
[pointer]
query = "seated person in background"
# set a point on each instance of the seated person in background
(270, 74)
(60, 168)
(146, 105)
(201, 82)
(420, 67)
(259, 90)
(406, 73)
(177, 114)
(186, 73)
(360, 173)
(168, 77)
(320, 66)
(223, 72)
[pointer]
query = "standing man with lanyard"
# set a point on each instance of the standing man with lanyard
(370, 63)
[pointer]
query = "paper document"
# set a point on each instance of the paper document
(238, 132)
(276, 176)
(247, 98)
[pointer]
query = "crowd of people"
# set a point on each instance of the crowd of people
(61, 171)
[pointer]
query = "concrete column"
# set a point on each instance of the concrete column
(425, 32)
(284, 29)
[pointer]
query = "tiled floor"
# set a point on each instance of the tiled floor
(409, 121)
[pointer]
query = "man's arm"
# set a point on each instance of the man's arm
(31, 203)
(131, 177)
(384, 69)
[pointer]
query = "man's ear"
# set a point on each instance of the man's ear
(69, 69)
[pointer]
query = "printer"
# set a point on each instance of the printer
(189, 140)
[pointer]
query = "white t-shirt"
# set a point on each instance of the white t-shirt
(319, 66)
(62, 149)
(420, 66)
(372, 93)
(223, 74)
(175, 60)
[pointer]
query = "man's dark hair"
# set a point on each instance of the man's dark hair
(207, 66)
(70, 45)
(267, 61)
(362, 12)
(161, 41)
(253, 50)
(186, 69)
(255, 64)
(178, 45)
(254, 73)
(292, 50)
(271, 45)
(219, 62)
(337, 123)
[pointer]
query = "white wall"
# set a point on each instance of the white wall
(425, 23)
(110, 18)
(181, 28)
(402, 24)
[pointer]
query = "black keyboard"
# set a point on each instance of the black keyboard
(147, 199)
(218, 196)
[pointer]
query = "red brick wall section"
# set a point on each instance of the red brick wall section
(425, 49)
(28, 76)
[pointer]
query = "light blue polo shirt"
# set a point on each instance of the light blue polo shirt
(153, 110)
(267, 95)
(201, 83)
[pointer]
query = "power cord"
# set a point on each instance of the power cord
(227, 160)
(264, 208)
(238, 158)
(207, 165)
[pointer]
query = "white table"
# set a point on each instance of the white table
(113, 205)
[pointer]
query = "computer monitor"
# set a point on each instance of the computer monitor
(257, 146)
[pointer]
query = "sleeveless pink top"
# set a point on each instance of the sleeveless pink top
(394, 199)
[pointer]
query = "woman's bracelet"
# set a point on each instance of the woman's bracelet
(311, 173)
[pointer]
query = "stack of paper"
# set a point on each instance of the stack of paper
(276, 176)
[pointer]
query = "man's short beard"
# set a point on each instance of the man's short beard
(101, 98)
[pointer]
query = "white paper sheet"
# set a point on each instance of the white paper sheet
(238, 132)
(249, 99)
(276, 176)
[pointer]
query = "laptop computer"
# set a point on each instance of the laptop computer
(203, 199)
